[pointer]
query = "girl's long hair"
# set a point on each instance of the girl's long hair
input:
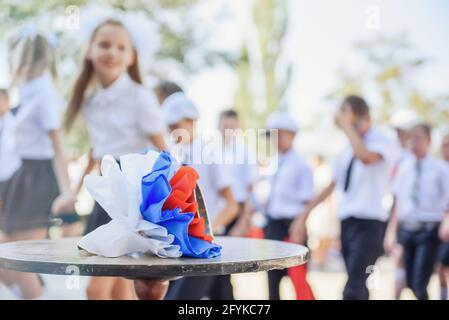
(30, 57)
(85, 78)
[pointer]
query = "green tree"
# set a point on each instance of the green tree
(269, 20)
(175, 43)
(392, 65)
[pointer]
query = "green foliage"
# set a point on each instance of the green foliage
(392, 64)
(270, 20)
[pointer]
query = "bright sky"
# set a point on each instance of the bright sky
(320, 41)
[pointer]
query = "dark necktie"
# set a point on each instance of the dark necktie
(348, 174)
(274, 182)
(416, 184)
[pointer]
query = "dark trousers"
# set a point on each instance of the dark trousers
(196, 288)
(361, 244)
(276, 229)
(420, 254)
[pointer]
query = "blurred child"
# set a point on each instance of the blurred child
(241, 161)
(291, 189)
(165, 89)
(402, 122)
(214, 179)
(443, 257)
(9, 159)
(121, 117)
(361, 176)
(422, 192)
(41, 185)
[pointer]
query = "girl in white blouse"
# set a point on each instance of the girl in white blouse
(9, 159)
(40, 186)
(121, 117)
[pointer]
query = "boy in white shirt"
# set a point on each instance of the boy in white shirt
(241, 161)
(443, 255)
(214, 179)
(291, 189)
(401, 122)
(421, 197)
(361, 176)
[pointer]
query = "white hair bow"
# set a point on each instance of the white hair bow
(144, 32)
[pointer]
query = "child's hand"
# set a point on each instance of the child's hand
(65, 202)
(239, 230)
(390, 242)
(444, 229)
(298, 230)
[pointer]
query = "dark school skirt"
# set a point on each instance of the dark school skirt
(97, 218)
(443, 254)
(3, 186)
(28, 197)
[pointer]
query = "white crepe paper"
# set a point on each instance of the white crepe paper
(119, 193)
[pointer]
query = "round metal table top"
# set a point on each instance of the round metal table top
(62, 256)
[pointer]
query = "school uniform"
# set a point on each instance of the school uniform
(9, 159)
(240, 160)
(119, 120)
(443, 251)
(422, 193)
(443, 254)
(292, 188)
(214, 176)
(33, 187)
(360, 190)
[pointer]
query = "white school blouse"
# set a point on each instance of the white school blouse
(424, 196)
(39, 112)
(214, 174)
(368, 183)
(9, 158)
(120, 118)
(292, 186)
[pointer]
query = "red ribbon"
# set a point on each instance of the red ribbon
(183, 185)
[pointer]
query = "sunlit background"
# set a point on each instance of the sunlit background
(258, 56)
(261, 55)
